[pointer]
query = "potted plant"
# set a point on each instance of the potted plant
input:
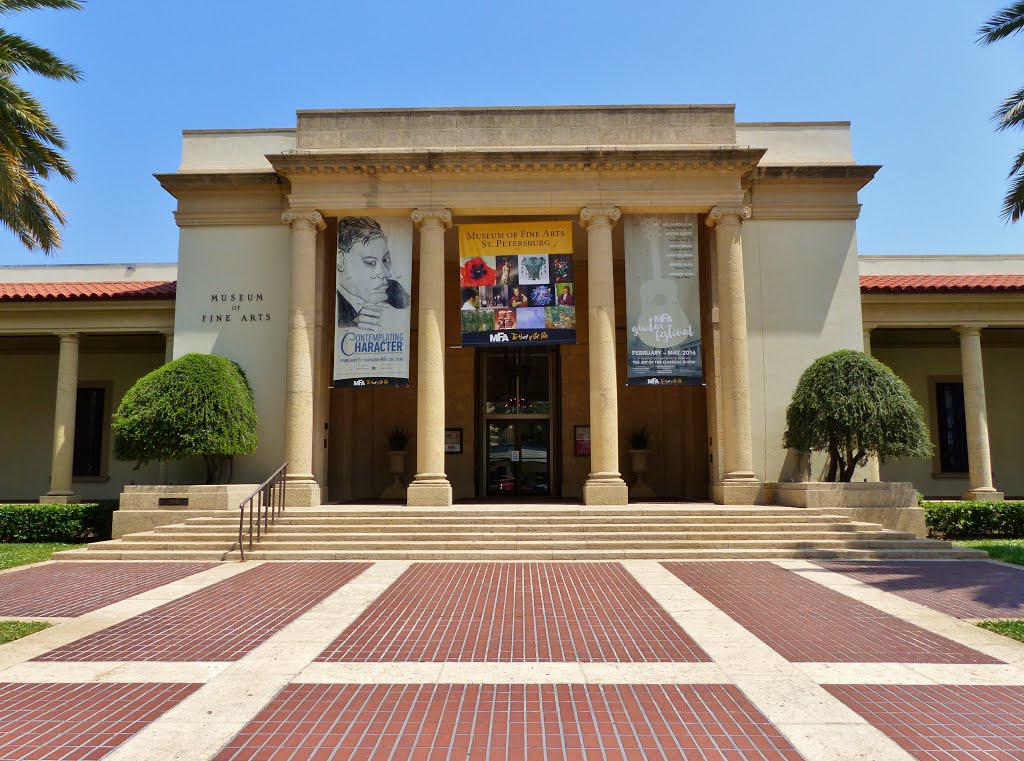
(398, 443)
(639, 442)
(852, 407)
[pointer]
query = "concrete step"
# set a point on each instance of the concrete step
(113, 553)
(288, 521)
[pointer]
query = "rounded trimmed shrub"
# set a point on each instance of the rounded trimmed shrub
(199, 404)
(853, 407)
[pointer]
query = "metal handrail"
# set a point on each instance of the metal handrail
(267, 502)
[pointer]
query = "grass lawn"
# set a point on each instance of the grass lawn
(1014, 629)
(30, 552)
(1010, 550)
(12, 630)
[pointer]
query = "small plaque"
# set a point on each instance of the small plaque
(582, 441)
(172, 502)
(453, 441)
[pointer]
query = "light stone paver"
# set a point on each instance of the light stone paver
(29, 647)
(963, 632)
(198, 727)
(912, 673)
(783, 693)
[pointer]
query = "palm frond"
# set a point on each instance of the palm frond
(1013, 202)
(1011, 112)
(1006, 23)
(19, 55)
(13, 6)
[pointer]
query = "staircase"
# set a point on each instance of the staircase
(550, 532)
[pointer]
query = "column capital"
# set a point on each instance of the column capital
(69, 338)
(432, 218)
(969, 330)
(597, 215)
(727, 215)
(299, 218)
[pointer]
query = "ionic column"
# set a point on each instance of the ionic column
(739, 483)
(64, 422)
(162, 476)
(430, 486)
(979, 457)
(301, 488)
(604, 485)
(871, 470)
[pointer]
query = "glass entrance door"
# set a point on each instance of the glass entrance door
(518, 394)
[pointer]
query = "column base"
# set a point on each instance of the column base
(429, 492)
(303, 494)
(737, 492)
(60, 498)
(987, 495)
(605, 491)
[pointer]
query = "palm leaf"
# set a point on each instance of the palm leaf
(13, 6)
(1011, 112)
(19, 55)
(1013, 202)
(1006, 23)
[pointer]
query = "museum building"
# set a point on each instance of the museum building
(535, 294)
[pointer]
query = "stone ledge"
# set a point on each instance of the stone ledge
(185, 497)
(828, 495)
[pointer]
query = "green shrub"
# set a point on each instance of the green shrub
(975, 520)
(56, 523)
(199, 404)
(853, 407)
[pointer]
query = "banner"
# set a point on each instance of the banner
(516, 283)
(374, 302)
(663, 345)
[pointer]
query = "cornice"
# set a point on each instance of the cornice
(723, 159)
(858, 175)
(218, 217)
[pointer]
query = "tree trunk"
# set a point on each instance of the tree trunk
(833, 464)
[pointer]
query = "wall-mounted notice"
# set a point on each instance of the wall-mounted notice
(663, 345)
(516, 283)
(371, 338)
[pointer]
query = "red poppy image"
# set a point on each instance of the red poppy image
(477, 271)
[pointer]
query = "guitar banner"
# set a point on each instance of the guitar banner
(516, 283)
(663, 346)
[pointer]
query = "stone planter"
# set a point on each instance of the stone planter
(143, 508)
(893, 505)
(396, 467)
(639, 489)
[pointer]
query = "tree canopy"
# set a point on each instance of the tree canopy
(853, 407)
(1008, 23)
(30, 143)
(199, 404)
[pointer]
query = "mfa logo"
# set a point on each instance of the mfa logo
(497, 338)
(653, 382)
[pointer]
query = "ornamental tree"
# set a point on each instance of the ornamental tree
(853, 407)
(199, 404)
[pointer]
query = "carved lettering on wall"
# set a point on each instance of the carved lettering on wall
(235, 308)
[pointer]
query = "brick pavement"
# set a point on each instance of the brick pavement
(970, 589)
(73, 588)
(641, 686)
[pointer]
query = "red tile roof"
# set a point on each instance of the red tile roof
(124, 289)
(941, 283)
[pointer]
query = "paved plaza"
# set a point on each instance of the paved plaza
(718, 661)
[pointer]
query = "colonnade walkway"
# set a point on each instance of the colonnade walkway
(639, 659)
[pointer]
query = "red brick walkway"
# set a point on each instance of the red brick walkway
(511, 612)
(499, 723)
(944, 723)
(961, 588)
(73, 722)
(220, 623)
(804, 621)
(72, 589)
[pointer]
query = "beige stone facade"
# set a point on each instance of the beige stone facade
(258, 210)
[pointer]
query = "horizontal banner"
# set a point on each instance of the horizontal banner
(523, 238)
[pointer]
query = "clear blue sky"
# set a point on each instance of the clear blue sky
(919, 100)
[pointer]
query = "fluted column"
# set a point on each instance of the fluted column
(430, 486)
(162, 474)
(64, 422)
(979, 456)
(739, 484)
(302, 488)
(604, 485)
(871, 470)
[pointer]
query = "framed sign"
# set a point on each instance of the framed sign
(581, 436)
(453, 441)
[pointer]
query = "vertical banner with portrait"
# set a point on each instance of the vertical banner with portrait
(374, 302)
(516, 283)
(663, 344)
